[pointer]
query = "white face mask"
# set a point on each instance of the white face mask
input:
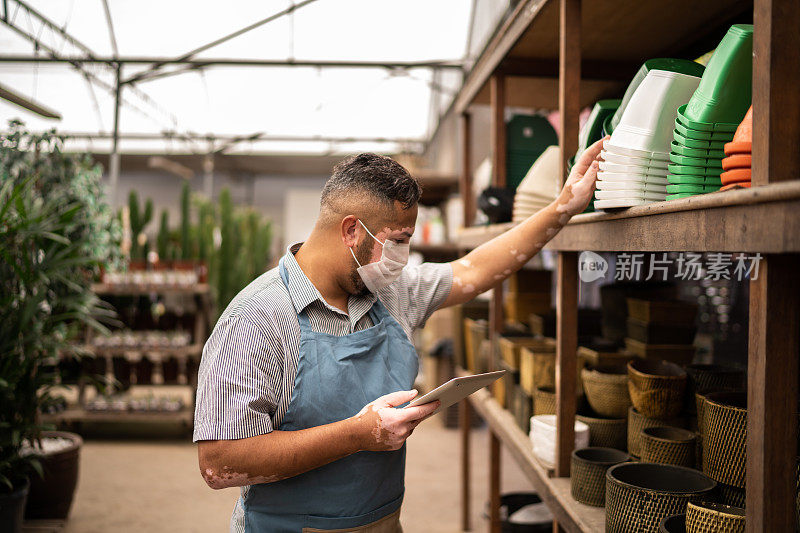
(385, 271)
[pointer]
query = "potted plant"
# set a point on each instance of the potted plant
(57, 231)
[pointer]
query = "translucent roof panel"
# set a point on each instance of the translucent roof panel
(282, 109)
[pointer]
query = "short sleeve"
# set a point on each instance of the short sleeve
(237, 383)
(425, 288)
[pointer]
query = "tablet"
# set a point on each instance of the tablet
(457, 389)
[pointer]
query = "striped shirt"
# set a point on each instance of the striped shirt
(249, 362)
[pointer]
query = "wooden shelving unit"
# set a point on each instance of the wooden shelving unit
(184, 356)
(566, 54)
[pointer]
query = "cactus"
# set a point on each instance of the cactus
(225, 262)
(162, 242)
(187, 251)
(139, 222)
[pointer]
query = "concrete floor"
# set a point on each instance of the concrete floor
(156, 486)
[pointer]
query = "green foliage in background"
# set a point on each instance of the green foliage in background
(139, 221)
(162, 241)
(57, 232)
(187, 250)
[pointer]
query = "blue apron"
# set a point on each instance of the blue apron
(336, 377)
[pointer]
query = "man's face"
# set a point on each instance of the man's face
(369, 250)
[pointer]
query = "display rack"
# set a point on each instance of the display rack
(567, 54)
(186, 357)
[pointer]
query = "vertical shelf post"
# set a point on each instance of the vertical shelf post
(569, 77)
(772, 392)
(497, 89)
(465, 183)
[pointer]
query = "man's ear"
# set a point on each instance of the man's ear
(349, 231)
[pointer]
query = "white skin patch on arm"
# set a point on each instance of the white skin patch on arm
(521, 258)
(465, 263)
(469, 288)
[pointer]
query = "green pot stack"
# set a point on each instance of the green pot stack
(711, 117)
(527, 136)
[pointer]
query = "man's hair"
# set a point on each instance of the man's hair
(379, 176)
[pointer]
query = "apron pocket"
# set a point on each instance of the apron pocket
(346, 524)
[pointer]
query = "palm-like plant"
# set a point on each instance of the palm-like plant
(55, 232)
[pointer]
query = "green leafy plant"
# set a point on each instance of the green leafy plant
(139, 221)
(187, 250)
(57, 231)
(162, 241)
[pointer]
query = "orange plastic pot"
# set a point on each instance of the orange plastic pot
(732, 148)
(736, 161)
(740, 185)
(735, 176)
(744, 133)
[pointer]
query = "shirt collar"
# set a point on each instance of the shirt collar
(304, 292)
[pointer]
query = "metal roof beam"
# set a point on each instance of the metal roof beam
(192, 53)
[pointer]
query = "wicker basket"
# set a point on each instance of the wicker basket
(656, 387)
(668, 445)
(544, 401)
(522, 408)
(599, 358)
(606, 389)
(637, 422)
(475, 331)
(673, 524)
(725, 436)
(531, 369)
(510, 347)
(588, 473)
(606, 432)
(713, 378)
(710, 517)
(729, 495)
(640, 495)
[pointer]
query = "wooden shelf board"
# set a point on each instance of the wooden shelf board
(77, 414)
(179, 352)
(138, 290)
(762, 219)
(631, 32)
(555, 492)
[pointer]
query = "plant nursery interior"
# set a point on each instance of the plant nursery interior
(383, 266)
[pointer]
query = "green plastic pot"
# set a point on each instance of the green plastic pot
(679, 196)
(720, 136)
(696, 161)
(689, 170)
(696, 143)
(693, 189)
(705, 126)
(684, 66)
(724, 93)
(696, 152)
(687, 179)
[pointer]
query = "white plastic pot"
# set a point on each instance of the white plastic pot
(626, 176)
(648, 120)
(606, 166)
(601, 194)
(631, 185)
(621, 150)
(620, 159)
(620, 202)
(543, 437)
(543, 178)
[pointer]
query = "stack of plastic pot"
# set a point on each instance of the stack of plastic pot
(633, 170)
(669, 64)
(592, 131)
(527, 137)
(540, 185)
(736, 165)
(711, 116)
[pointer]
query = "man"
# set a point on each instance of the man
(301, 378)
